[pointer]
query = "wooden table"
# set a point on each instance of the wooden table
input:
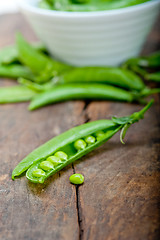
(119, 199)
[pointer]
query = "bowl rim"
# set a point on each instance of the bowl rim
(27, 5)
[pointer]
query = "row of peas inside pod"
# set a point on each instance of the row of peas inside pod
(60, 157)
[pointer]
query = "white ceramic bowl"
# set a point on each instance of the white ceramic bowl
(92, 38)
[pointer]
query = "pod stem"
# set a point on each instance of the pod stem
(135, 117)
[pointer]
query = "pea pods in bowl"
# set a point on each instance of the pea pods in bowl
(97, 38)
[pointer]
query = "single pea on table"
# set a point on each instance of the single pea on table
(76, 178)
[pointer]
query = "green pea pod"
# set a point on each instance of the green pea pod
(151, 61)
(45, 4)
(35, 86)
(58, 142)
(39, 161)
(39, 63)
(15, 71)
(16, 93)
(149, 91)
(93, 5)
(108, 75)
(153, 76)
(78, 91)
(9, 54)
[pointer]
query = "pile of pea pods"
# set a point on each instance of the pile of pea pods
(86, 5)
(43, 80)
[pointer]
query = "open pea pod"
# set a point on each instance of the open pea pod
(71, 145)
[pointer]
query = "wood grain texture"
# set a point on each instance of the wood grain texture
(119, 199)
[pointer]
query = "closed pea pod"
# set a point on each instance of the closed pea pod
(65, 143)
(67, 92)
(78, 91)
(107, 75)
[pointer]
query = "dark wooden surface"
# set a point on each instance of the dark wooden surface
(119, 199)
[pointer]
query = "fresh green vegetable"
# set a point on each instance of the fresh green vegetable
(80, 144)
(107, 75)
(76, 178)
(63, 146)
(79, 91)
(45, 4)
(87, 91)
(9, 54)
(87, 5)
(40, 64)
(38, 173)
(46, 165)
(153, 76)
(142, 66)
(15, 71)
(151, 61)
(15, 94)
(61, 155)
(36, 86)
(90, 139)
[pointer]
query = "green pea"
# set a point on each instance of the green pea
(80, 144)
(99, 134)
(54, 160)
(46, 165)
(61, 155)
(90, 139)
(38, 173)
(76, 178)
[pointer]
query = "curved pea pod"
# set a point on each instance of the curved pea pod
(69, 146)
(108, 75)
(78, 91)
